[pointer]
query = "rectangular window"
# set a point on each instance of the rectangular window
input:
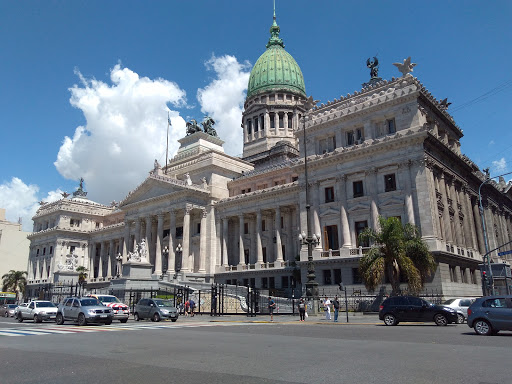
(327, 144)
(327, 276)
(329, 194)
(179, 232)
(453, 275)
(264, 282)
(272, 120)
(284, 281)
(271, 282)
(263, 225)
(463, 276)
(44, 251)
(350, 138)
(264, 252)
(281, 120)
(390, 182)
(331, 237)
(356, 276)
(391, 125)
(282, 222)
(243, 191)
(337, 276)
(198, 228)
(248, 190)
(246, 228)
(249, 127)
(290, 120)
(360, 227)
(359, 134)
(256, 124)
(295, 178)
(473, 276)
(358, 188)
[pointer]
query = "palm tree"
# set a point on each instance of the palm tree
(14, 281)
(397, 250)
(82, 274)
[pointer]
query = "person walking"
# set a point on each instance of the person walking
(327, 308)
(192, 304)
(336, 305)
(271, 307)
(187, 307)
(302, 310)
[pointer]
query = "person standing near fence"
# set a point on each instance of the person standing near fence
(336, 305)
(271, 307)
(192, 304)
(327, 308)
(302, 310)
(187, 307)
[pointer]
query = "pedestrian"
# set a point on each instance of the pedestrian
(336, 305)
(302, 310)
(327, 308)
(187, 307)
(271, 307)
(192, 305)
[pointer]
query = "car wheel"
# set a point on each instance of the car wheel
(81, 319)
(37, 319)
(174, 320)
(136, 316)
(390, 319)
(440, 319)
(6, 314)
(156, 317)
(59, 319)
(460, 318)
(123, 320)
(482, 327)
(20, 318)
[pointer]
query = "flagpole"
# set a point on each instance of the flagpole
(167, 147)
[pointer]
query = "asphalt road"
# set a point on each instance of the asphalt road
(199, 351)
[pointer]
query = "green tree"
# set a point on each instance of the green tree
(82, 274)
(396, 250)
(14, 281)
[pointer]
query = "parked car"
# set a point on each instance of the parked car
(491, 314)
(17, 309)
(120, 310)
(155, 309)
(37, 310)
(410, 308)
(461, 305)
(83, 310)
(7, 310)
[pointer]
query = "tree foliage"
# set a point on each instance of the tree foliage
(397, 250)
(14, 281)
(82, 274)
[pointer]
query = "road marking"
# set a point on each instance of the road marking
(54, 330)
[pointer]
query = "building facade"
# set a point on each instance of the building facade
(388, 149)
(14, 246)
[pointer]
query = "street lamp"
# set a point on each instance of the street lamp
(309, 238)
(179, 253)
(119, 259)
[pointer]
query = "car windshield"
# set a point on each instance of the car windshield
(108, 299)
(163, 303)
(89, 302)
(45, 304)
(428, 302)
(448, 302)
(12, 305)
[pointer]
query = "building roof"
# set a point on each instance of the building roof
(276, 69)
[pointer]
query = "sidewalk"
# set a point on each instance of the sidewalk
(353, 318)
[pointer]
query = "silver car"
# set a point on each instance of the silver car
(461, 305)
(83, 310)
(7, 310)
(155, 309)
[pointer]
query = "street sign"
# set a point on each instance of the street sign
(504, 253)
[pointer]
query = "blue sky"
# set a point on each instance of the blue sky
(86, 85)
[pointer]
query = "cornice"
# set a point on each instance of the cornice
(262, 194)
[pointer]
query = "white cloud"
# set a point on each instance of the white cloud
(125, 132)
(500, 165)
(491, 142)
(21, 200)
(223, 99)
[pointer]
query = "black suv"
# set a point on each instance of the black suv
(410, 308)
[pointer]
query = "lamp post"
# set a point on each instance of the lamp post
(179, 253)
(309, 239)
(119, 259)
(486, 257)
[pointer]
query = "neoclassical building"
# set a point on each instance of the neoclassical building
(390, 149)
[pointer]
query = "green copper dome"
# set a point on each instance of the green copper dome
(276, 68)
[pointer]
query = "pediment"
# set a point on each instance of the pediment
(330, 211)
(358, 207)
(392, 201)
(150, 189)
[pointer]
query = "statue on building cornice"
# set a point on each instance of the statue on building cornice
(208, 124)
(192, 127)
(374, 67)
(406, 66)
(80, 191)
(64, 194)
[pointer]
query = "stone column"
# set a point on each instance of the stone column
(171, 257)
(126, 242)
(102, 256)
(342, 191)
(158, 249)
(456, 218)
(267, 123)
(259, 251)
(479, 228)
(471, 219)
(468, 238)
(279, 248)
(186, 241)
(202, 243)
(147, 236)
(224, 259)
(110, 257)
(433, 188)
(374, 211)
(446, 213)
(276, 122)
(316, 210)
(409, 208)
(285, 123)
(246, 131)
(137, 233)
(241, 257)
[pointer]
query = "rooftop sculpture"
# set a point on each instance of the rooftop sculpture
(207, 123)
(406, 66)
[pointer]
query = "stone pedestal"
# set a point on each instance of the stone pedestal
(135, 275)
(65, 277)
(135, 270)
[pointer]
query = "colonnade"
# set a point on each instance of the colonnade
(263, 122)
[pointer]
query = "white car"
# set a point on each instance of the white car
(461, 305)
